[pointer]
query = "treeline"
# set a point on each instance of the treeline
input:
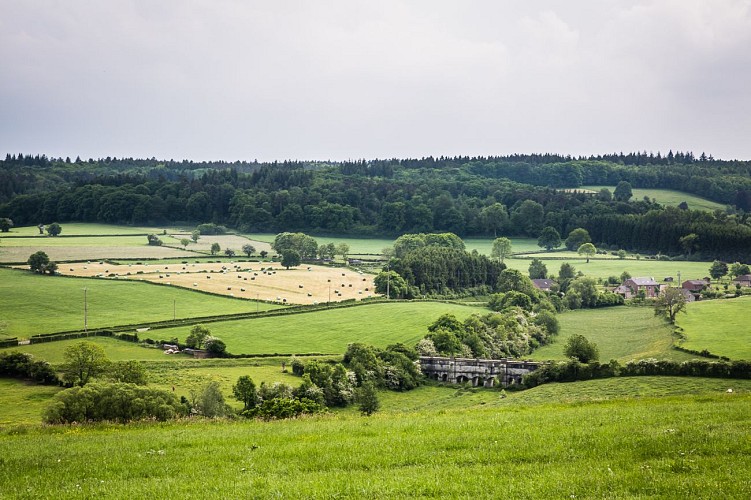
(573, 370)
(511, 196)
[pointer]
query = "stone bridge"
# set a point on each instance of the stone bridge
(485, 372)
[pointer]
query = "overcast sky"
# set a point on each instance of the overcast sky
(226, 79)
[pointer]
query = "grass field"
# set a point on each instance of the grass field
(621, 333)
(658, 269)
(34, 304)
(328, 331)
(667, 447)
(719, 326)
(84, 229)
(668, 197)
(116, 350)
(375, 246)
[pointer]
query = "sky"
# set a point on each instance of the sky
(336, 80)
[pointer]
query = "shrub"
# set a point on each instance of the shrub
(580, 348)
(21, 365)
(115, 402)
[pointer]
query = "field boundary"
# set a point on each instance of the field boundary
(303, 309)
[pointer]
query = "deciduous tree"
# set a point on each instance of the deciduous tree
(718, 269)
(587, 249)
(549, 238)
(54, 229)
(249, 249)
(501, 249)
(579, 347)
(82, 362)
(245, 391)
(669, 303)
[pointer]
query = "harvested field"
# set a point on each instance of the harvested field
(268, 281)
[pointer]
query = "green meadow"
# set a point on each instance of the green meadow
(621, 333)
(668, 197)
(35, 304)
(603, 268)
(624, 446)
(328, 331)
(719, 326)
(82, 229)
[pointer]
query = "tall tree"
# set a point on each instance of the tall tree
(623, 191)
(718, 269)
(669, 303)
(38, 261)
(576, 238)
(249, 249)
(494, 218)
(537, 269)
(587, 249)
(54, 229)
(501, 249)
(245, 391)
(549, 238)
(82, 361)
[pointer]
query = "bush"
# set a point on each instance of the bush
(20, 365)
(115, 402)
(580, 348)
(277, 408)
(548, 321)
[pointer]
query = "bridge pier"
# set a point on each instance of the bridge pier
(480, 372)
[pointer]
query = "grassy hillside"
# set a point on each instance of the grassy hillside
(34, 304)
(668, 197)
(719, 326)
(621, 333)
(678, 446)
(602, 268)
(328, 331)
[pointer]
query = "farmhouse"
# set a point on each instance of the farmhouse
(743, 280)
(695, 286)
(632, 286)
(543, 284)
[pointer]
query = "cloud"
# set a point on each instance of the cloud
(349, 79)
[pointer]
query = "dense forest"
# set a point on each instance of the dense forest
(513, 195)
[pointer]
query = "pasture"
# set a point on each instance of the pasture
(602, 268)
(719, 326)
(621, 333)
(667, 197)
(34, 304)
(328, 331)
(269, 281)
(675, 446)
(84, 229)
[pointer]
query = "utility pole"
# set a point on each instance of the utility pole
(388, 282)
(85, 312)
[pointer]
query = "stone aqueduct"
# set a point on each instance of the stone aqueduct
(480, 372)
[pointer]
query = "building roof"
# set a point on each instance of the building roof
(543, 284)
(696, 282)
(743, 277)
(644, 281)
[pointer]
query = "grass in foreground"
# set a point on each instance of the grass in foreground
(673, 447)
(328, 331)
(621, 333)
(34, 304)
(719, 326)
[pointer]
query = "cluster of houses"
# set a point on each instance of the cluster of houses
(649, 288)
